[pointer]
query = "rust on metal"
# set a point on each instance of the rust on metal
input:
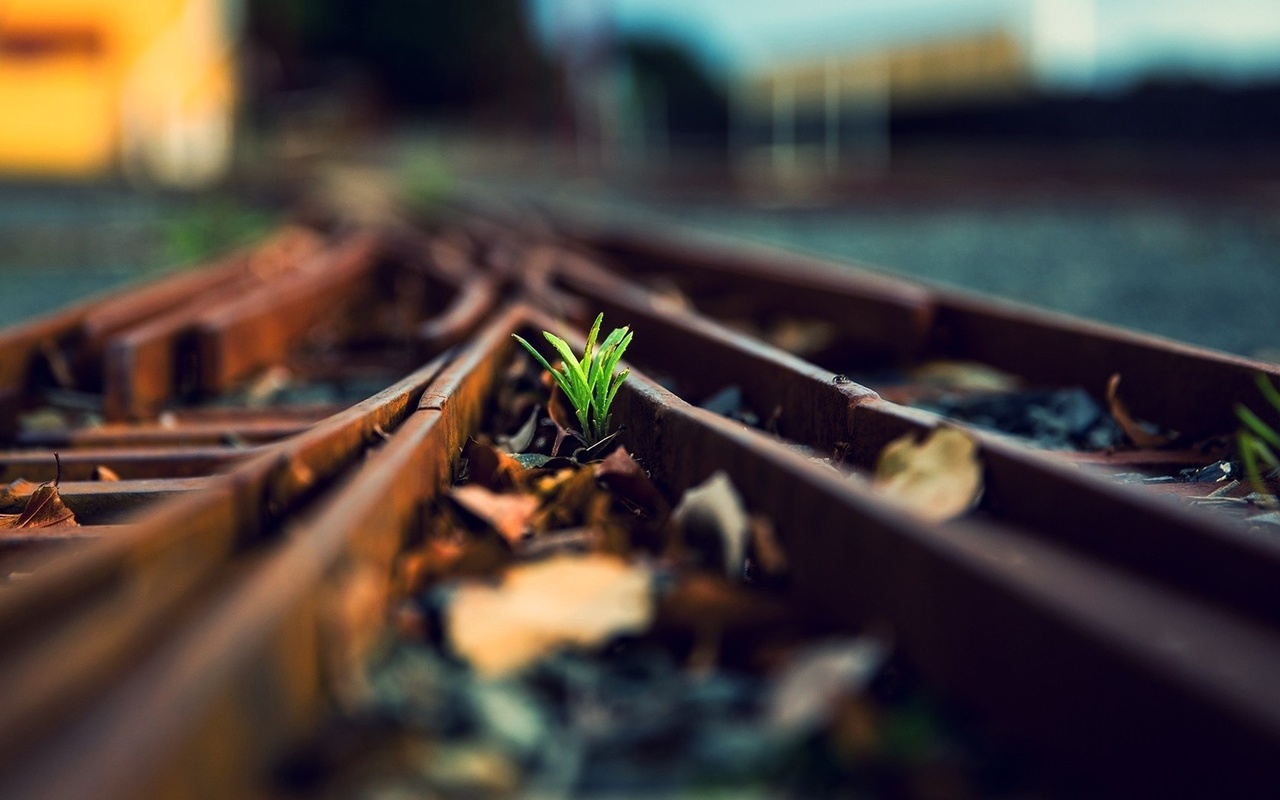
(236, 576)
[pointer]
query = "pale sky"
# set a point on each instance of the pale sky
(1080, 42)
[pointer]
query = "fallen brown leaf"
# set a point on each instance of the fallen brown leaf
(1139, 433)
(45, 509)
(766, 551)
(939, 479)
(568, 501)
(714, 617)
(508, 514)
(445, 558)
(104, 473)
(710, 519)
(519, 441)
(804, 337)
(968, 376)
(491, 468)
(17, 492)
(563, 418)
(806, 695)
(541, 607)
(628, 480)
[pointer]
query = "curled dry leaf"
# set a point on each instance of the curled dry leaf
(711, 519)
(808, 692)
(441, 558)
(939, 479)
(627, 479)
(17, 492)
(804, 337)
(766, 550)
(538, 608)
(44, 509)
(965, 376)
(508, 514)
(562, 416)
(519, 441)
(700, 604)
(1143, 434)
(573, 499)
(491, 468)
(105, 473)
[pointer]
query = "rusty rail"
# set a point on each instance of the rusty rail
(1104, 627)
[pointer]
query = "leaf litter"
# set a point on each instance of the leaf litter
(938, 479)
(43, 506)
(568, 630)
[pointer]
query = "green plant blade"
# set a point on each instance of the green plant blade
(1260, 429)
(1269, 391)
(613, 390)
(615, 353)
(532, 351)
(560, 378)
(1251, 450)
(591, 339)
(597, 369)
(572, 366)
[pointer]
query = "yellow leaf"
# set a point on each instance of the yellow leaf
(539, 608)
(938, 479)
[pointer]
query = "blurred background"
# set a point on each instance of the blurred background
(1111, 158)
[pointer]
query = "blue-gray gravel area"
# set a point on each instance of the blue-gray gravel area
(1208, 275)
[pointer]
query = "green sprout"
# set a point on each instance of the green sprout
(1258, 441)
(589, 382)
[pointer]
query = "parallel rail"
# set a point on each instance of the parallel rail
(183, 642)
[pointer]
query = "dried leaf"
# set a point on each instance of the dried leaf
(104, 473)
(508, 514)
(447, 558)
(702, 602)
(1143, 434)
(563, 418)
(807, 694)
(519, 441)
(539, 608)
(17, 492)
(628, 480)
(567, 502)
(45, 509)
(491, 468)
(967, 376)
(804, 337)
(766, 551)
(939, 479)
(712, 521)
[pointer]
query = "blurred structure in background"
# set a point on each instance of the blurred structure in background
(808, 96)
(822, 93)
(90, 87)
(801, 119)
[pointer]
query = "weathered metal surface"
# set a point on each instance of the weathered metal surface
(323, 593)
(112, 501)
(136, 463)
(260, 328)
(77, 335)
(1119, 634)
(192, 434)
(888, 319)
(1188, 389)
(90, 602)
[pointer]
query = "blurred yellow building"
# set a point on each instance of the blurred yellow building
(92, 87)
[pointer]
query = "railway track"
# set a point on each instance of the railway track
(249, 448)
